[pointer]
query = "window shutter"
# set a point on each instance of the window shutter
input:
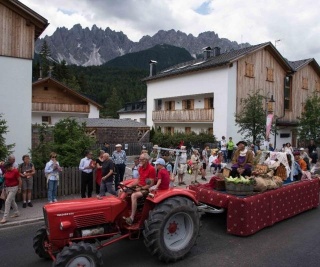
(192, 104)
(184, 104)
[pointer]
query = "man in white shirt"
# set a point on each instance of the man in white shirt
(86, 166)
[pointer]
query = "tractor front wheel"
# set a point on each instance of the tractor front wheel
(79, 254)
(172, 228)
(39, 241)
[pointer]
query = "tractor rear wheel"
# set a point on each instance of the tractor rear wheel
(172, 228)
(39, 243)
(79, 254)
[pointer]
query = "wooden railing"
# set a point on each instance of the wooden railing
(60, 107)
(196, 115)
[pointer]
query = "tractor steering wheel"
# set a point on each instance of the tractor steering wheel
(126, 188)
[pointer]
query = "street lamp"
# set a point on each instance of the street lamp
(269, 104)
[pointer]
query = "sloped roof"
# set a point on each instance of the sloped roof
(217, 61)
(63, 86)
(299, 64)
(141, 109)
(94, 122)
(27, 13)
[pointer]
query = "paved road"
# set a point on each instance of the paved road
(294, 242)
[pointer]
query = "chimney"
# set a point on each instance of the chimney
(216, 51)
(153, 70)
(206, 52)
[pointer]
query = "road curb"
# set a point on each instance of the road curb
(18, 223)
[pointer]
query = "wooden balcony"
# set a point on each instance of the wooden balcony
(49, 107)
(196, 115)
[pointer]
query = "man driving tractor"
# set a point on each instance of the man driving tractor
(147, 174)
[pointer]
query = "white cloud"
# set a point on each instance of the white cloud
(294, 22)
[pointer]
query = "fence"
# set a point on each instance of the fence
(69, 183)
(130, 148)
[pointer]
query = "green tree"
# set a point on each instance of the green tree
(45, 53)
(309, 122)
(113, 104)
(5, 149)
(252, 117)
(69, 141)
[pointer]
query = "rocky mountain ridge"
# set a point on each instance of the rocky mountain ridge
(95, 46)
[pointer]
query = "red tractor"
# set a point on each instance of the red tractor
(76, 230)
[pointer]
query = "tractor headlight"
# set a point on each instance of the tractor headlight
(64, 225)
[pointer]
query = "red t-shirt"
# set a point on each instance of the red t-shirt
(164, 176)
(146, 172)
(11, 177)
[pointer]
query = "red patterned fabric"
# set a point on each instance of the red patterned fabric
(247, 215)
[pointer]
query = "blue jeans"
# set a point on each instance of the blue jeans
(52, 190)
(225, 155)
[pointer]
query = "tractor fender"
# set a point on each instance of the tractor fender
(161, 195)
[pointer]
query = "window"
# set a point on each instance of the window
(46, 119)
(188, 104)
(304, 83)
(287, 93)
(169, 130)
(159, 104)
(187, 130)
(208, 103)
(270, 77)
(170, 105)
(249, 70)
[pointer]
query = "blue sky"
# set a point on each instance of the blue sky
(294, 22)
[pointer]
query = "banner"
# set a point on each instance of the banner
(268, 125)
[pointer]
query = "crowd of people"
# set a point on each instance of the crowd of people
(156, 171)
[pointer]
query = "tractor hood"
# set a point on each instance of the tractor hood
(85, 211)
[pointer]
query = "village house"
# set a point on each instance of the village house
(134, 111)
(53, 101)
(203, 95)
(19, 28)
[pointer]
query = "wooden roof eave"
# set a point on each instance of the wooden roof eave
(28, 14)
(47, 80)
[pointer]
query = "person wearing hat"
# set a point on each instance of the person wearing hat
(163, 176)
(242, 161)
(154, 154)
(119, 158)
(182, 165)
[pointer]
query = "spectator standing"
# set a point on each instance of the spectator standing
(1, 183)
(154, 154)
(271, 147)
(86, 167)
(182, 166)
(27, 171)
(52, 170)
(13, 186)
(223, 148)
(107, 176)
(99, 162)
(196, 165)
(230, 146)
(204, 156)
(12, 160)
(106, 147)
(135, 168)
(313, 154)
(119, 158)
